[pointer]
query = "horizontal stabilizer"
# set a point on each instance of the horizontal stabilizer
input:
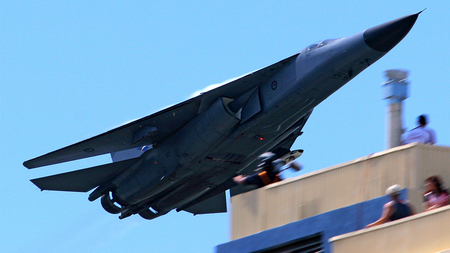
(85, 179)
(213, 201)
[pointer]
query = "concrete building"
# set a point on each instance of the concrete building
(327, 210)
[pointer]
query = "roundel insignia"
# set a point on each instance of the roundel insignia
(274, 85)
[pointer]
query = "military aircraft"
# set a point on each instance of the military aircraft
(185, 157)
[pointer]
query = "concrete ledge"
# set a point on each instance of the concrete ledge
(423, 232)
(329, 224)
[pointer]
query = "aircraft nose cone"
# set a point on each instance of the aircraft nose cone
(385, 36)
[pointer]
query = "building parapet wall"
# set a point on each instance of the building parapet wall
(338, 186)
(327, 225)
(424, 232)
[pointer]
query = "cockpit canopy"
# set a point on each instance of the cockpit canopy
(320, 44)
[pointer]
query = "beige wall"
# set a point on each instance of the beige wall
(424, 232)
(338, 186)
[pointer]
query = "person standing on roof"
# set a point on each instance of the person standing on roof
(422, 133)
(270, 168)
(395, 209)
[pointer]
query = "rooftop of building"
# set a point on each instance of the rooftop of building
(355, 191)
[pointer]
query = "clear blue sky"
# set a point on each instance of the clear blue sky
(70, 70)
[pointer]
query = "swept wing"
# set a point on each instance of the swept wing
(157, 127)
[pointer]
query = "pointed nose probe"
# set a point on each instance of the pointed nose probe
(384, 37)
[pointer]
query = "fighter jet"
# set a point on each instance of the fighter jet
(184, 157)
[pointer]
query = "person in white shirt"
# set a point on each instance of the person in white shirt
(422, 133)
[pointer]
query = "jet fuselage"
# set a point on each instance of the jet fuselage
(198, 161)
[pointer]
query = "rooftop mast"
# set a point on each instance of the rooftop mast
(395, 90)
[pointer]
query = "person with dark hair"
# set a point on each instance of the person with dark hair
(395, 209)
(270, 168)
(435, 195)
(422, 133)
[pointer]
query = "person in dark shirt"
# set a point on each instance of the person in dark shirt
(270, 171)
(395, 209)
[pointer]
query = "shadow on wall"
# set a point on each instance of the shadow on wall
(329, 224)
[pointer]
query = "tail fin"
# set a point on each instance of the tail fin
(85, 179)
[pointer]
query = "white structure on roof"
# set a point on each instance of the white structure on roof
(395, 90)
